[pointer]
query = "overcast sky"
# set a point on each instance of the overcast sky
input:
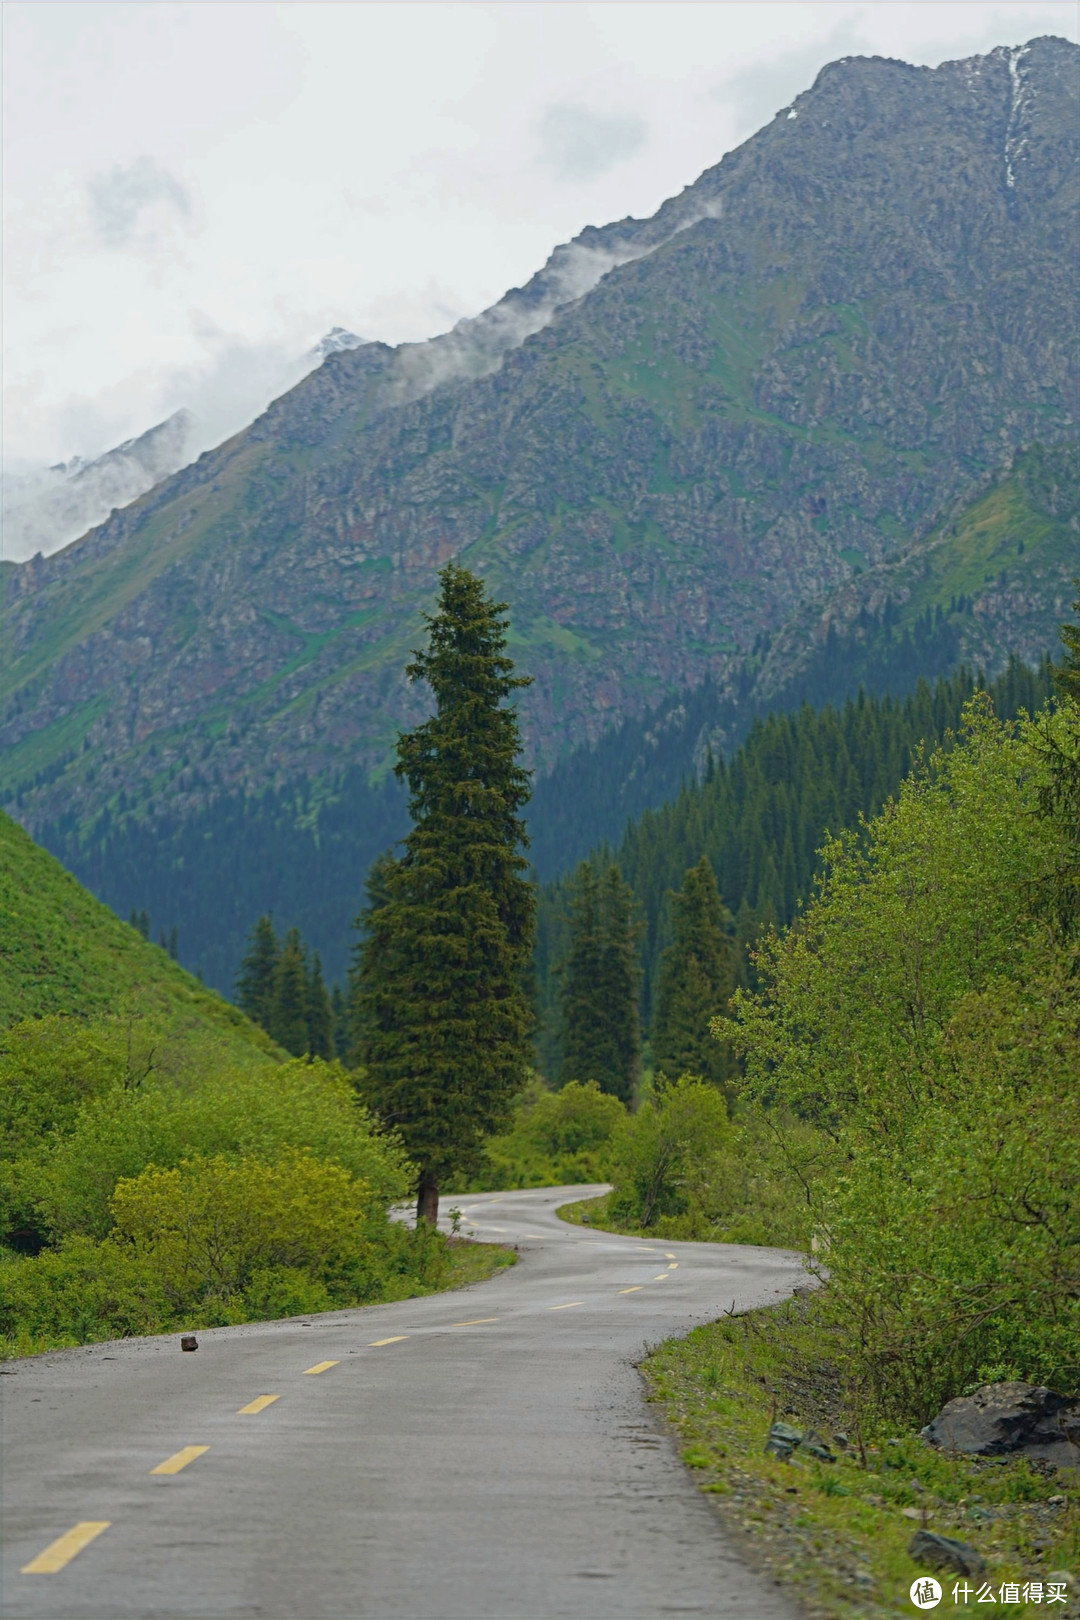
(194, 193)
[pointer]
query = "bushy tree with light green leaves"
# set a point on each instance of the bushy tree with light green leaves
(555, 1138)
(661, 1152)
(440, 1007)
(922, 1015)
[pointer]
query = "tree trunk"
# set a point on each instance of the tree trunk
(427, 1199)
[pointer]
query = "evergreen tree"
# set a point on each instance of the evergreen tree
(255, 982)
(288, 1018)
(439, 1007)
(320, 1036)
(582, 1032)
(601, 1032)
(695, 982)
(339, 1022)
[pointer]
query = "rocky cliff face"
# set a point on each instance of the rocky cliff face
(679, 435)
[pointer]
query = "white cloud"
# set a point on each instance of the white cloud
(120, 199)
(577, 144)
(384, 167)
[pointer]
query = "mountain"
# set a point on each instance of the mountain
(686, 438)
(300, 850)
(46, 508)
(336, 341)
(63, 951)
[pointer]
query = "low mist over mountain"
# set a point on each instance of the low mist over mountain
(46, 508)
(751, 416)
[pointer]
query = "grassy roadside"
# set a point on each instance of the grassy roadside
(590, 1212)
(471, 1262)
(835, 1535)
(467, 1262)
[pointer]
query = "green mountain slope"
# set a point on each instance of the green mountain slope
(62, 951)
(998, 573)
(675, 439)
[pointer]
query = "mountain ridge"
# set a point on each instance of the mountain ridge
(839, 334)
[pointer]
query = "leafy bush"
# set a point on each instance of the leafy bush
(208, 1228)
(155, 1176)
(80, 1291)
(247, 1112)
(666, 1153)
(557, 1138)
(921, 1019)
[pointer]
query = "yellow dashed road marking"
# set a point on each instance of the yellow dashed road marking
(668, 1256)
(674, 1266)
(179, 1459)
(569, 1307)
(259, 1404)
(375, 1343)
(635, 1290)
(661, 1277)
(477, 1321)
(64, 1548)
(320, 1366)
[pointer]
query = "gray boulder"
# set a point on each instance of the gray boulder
(1010, 1418)
(943, 1553)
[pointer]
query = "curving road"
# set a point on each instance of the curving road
(466, 1456)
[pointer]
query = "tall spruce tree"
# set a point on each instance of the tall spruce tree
(288, 1020)
(320, 1018)
(255, 982)
(601, 1029)
(583, 1030)
(695, 982)
(440, 1010)
(339, 1021)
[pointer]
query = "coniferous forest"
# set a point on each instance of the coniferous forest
(760, 817)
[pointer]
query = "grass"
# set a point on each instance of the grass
(63, 951)
(589, 1212)
(836, 1535)
(472, 1262)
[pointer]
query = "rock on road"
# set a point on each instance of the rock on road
(466, 1456)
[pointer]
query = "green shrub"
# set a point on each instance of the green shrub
(921, 1021)
(666, 1153)
(206, 1228)
(78, 1292)
(558, 1138)
(255, 1113)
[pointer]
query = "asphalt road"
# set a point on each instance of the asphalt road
(484, 1453)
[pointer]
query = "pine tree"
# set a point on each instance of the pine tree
(339, 1022)
(582, 1028)
(695, 982)
(601, 1033)
(620, 984)
(439, 1006)
(288, 1017)
(320, 1021)
(255, 982)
